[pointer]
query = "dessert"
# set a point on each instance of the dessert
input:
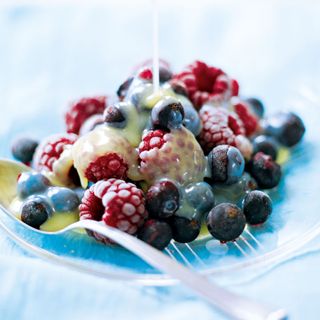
(159, 164)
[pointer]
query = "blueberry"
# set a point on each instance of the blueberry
(114, 116)
(264, 170)
(183, 229)
(124, 87)
(23, 149)
(179, 88)
(91, 123)
(257, 206)
(35, 211)
(30, 183)
(168, 113)
(265, 144)
(286, 127)
(226, 222)
(191, 117)
(63, 199)
(156, 233)
(226, 164)
(256, 106)
(80, 193)
(164, 74)
(200, 196)
(162, 199)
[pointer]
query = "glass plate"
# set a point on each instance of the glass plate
(294, 222)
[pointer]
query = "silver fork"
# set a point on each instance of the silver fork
(231, 304)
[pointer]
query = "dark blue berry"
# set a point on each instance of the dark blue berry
(265, 144)
(191, 118)
(257, 206)
(256, 106)
(30, 183)
(264, 170)
(114, 116)
(23, 149)
(156, 233)
(162, 199)
(183, 229)
(164, 74)
(80, 193)
(200, 196)
(226, 222)
(286, 127)
(63, 199)
(226, 164)
(35, 212)
(168, 113)
(124, 87)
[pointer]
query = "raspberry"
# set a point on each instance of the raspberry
(153, 139)
(145, 74)
(250, 121)
(109, 166)
(219, 127)
(206, 83)
(116, 203)
(81, 110)
(50, 150)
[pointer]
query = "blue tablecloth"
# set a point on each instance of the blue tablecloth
(52, 53)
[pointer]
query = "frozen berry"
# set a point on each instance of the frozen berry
(286, 127)
(165, 74)
(30, 183)
(156, 233)
(168, 113)
(124, 87)
(91, 123)
(113, 115)
(116, 203)
(257, 206)
(256, 106)
(200, 196)
(226, 222)
(63, 199)
(145, 74)
(265, 144)
(266, 172)
(179, 87)
(184, 230)
(226, 164)
(79, 111)
(35, 212)
(162, 199)
(191, 117)
(23, 149)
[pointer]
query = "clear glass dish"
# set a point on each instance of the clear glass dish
(294, 222)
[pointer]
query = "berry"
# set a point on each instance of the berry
(91, 123)
(113, 115)
(191, 117)
(286, 127)
(124, 87)
(162, 199)
(111, 165)
(266, 172)
(219, 126)
(80, 193)
(179, 87)
(50, 150)
(249, 119)
(63, 199)
(153, 139)
(200, 197)
(30, 183)
(165, 74)
(116, 203)
(265, 144)
(226, 164)
(256, 106)
(81, 110)
(156, 233)
(168, 113)
(257, 206)
(226, 222)
(145, 74)
(205, 83)
(184, 230)
(35, 212)
(23, 149)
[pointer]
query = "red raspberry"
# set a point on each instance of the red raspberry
(219, 126)
(108, 166)
(153, 139)
(250, 121)
(145, 74)
(50, 150)
(206, 83)
(116, 203)
(81, 110)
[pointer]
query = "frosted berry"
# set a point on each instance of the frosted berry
(23, 149)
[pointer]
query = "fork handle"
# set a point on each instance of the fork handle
(231, 304)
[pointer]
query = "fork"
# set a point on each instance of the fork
(232, 305)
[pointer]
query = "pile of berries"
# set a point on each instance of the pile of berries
(161, 164)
